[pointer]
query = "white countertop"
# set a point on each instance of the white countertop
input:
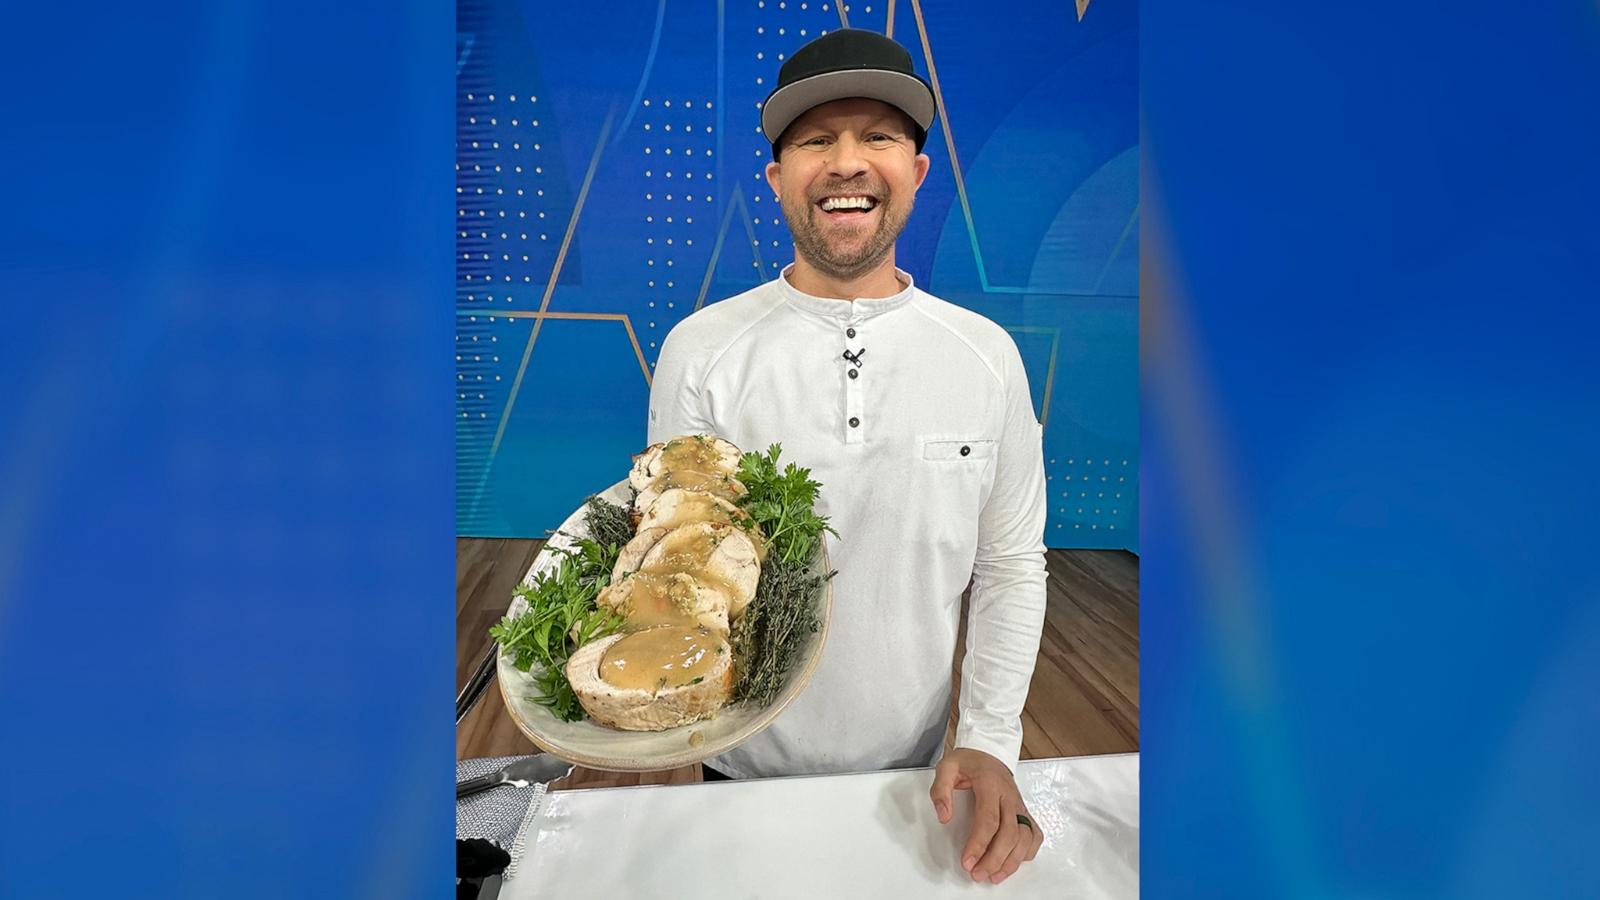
(867, 835)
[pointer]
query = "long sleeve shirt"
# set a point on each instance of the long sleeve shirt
(932, 472)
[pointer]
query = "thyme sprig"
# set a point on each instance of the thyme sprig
(608, 522)
(767, 639)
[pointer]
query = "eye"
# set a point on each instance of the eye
(814, 142)
(879, 136)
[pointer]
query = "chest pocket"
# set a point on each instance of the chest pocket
(953, 479)
(947, 450)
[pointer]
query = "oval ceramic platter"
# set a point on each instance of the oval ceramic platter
(587, 743)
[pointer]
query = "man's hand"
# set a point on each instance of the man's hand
(999, 843)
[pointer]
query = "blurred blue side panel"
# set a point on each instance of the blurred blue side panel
(1370, 614)
(226, 568)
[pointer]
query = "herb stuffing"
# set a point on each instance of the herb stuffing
(783, 614)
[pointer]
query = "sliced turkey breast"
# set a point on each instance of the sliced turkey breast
(725, 486)
(676, 507)
(719, 554)
(647, 600)
(700, 454)
(696, 461)
(646, 466)
(631, 556)
(653, 680)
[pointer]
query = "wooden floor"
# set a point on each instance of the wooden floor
(1084, 698)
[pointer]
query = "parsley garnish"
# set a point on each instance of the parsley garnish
(783, 503)
(562, 614)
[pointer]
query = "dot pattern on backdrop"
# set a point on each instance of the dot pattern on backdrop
(777, 32)
(1092, 493)
(504, 250)
(679, 186)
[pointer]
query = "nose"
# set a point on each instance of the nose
(845, 160)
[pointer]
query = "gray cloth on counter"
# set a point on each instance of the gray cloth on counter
(497, 814)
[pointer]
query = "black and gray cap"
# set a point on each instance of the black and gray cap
(850, 62)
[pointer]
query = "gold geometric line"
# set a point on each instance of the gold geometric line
(535, 314)
(1083, 7)
(627, 323)
(550, 287)
(944, 118)
(634, 340)
(888, 28)
(1050, 370)
(843, 22)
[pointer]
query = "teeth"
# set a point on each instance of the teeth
(833, 203)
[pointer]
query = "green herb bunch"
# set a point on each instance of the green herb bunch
(783, 615)
(608, 523)
(783, 503)
(562, 614)
(561, 617)
(775, 625)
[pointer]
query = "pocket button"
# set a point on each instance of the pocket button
(965, 450)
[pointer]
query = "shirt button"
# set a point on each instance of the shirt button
(965, 450)
(854, 373)
(854, 422)
(849, 332)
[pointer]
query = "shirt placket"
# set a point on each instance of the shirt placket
(855, 411)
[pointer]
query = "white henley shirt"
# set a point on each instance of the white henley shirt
(932, 471)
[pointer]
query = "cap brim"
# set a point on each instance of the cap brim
(905, 92)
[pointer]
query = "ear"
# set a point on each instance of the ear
(773, 168)
(922, 164)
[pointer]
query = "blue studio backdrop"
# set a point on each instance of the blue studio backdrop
(609, 183)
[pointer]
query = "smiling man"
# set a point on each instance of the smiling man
(850, 171)
(915, 415)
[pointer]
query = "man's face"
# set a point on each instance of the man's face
(853, 148)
